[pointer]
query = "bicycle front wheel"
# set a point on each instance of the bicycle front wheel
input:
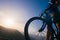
(31, 29)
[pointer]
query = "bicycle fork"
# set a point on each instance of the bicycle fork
(42, 28)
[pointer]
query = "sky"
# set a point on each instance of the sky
(20, 11)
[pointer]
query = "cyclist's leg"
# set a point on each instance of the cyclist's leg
(58, 26)
(48, 31)
(47, 34)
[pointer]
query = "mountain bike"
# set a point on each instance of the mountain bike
(44, 18)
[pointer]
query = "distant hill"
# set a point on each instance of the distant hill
(10, 34)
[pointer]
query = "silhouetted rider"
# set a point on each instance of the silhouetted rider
(53, 8)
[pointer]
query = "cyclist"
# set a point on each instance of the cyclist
(53, 8)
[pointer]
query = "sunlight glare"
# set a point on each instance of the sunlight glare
(8, 22)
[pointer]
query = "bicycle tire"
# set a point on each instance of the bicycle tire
(27, 26)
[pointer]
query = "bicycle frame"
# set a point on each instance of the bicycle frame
(46, 20)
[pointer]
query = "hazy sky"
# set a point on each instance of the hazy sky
(21, 11)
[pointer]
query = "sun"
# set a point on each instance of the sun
(8, 22)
